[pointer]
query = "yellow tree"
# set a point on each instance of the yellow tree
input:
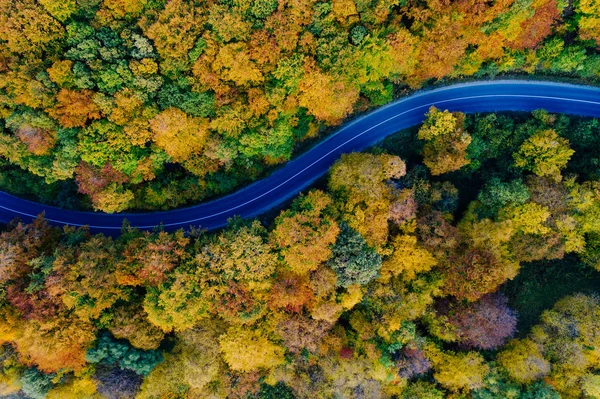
(76, 387)
(408, 259)
(26, 27)
(61, 74)
(458, 371)
(327, 98)
(305, 233)
(523, 361)
(362, 181)
(589, 21)
(85, 279)
(130, 322)
(174, 30)
(177, 304)
(198, 350)
(54, 344)
(529, 218)
(545, 154)
(60, 9)
(249, 350)
(228, 23)
(590, 385)
(233, 63)
(165, 379)
(371, 62)
(572, 355)
(234, 270)
(122, 8)
(113, 198)
(343, 9)
(441, 46)
(129, 112)
(179, 134)
(446, 144)
(403, 49)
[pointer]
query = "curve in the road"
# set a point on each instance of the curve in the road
(299, 173)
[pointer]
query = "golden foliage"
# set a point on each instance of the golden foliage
(305, 237)
(175, 30)
(130, 323)
(77, 388)
(25, 26)
(362, 180)
(233, 63)
(249, 350)
(326, 98)
(164, 381)
(523, 361)
(446, 144)
(545, 154)
(54, 344)
(179, 134)
(459, 371)
(530, 218)
(408, 259)
(74, 108)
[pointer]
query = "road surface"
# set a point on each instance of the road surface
(356, 135)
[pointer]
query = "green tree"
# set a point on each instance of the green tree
(110, 351)
(422, 390)
(498, 194)
(357, 34)
(278, 391)
(35, 383)
(353, 260)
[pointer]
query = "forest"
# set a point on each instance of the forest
(120, 105)
(415, 270)
(459, 259)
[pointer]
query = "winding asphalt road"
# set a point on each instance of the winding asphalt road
(299, 173)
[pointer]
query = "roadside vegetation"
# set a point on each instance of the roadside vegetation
(462, 265)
